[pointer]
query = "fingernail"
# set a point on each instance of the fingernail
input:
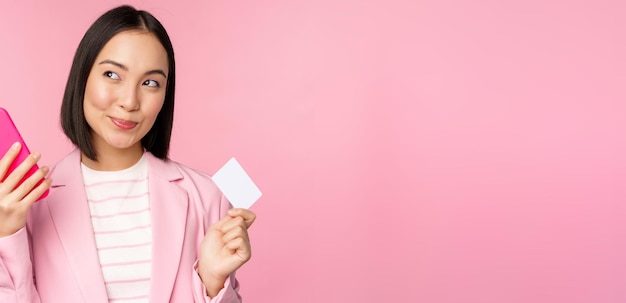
(232, 211)
(36, 155)
(15, 146)
(45, 169)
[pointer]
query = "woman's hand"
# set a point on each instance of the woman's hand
(225, 248)
(15, 202)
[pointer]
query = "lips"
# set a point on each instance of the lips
(123, 124)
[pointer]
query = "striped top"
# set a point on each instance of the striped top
(120, 214)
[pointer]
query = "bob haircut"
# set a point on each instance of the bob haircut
(73, 122)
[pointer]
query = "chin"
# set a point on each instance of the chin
(124, 145)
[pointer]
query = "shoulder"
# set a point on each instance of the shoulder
(65, 168)
(203, 194)
(192, 172)
(187, 173)
(195, 182)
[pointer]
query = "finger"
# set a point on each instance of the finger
(247, 215)
(241, 247)
(31, 183)
(32, 197)
(235, 232)
(219, 224)
(14, 178)
(8, 158)
(233, 222)
(236, 244)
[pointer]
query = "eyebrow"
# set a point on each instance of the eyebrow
(122, 66)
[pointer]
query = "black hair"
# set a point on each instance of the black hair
(114, 21)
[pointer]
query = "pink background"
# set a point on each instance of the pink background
(408, 151)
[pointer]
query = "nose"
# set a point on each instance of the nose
(129, 98)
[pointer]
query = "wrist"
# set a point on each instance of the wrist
(213, 283)
(9, 231)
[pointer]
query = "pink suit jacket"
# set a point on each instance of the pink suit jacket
(57, 246)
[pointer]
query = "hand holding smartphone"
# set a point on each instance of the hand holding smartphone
(9, 135)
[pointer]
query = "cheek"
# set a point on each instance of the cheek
(97, 95)
(153, 105)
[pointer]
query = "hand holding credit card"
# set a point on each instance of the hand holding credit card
(236, 185)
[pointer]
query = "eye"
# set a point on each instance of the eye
(151, 83)
(112, 75)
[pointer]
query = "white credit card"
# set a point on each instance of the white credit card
(236, 185)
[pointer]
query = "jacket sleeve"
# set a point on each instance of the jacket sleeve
(17, 284)
(230, 293)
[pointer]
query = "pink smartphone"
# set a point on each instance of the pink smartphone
(9, 135)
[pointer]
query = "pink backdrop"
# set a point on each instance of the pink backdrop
(408, 151)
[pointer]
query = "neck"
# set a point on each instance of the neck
(114, 159)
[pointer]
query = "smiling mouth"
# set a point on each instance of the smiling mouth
(124, 124)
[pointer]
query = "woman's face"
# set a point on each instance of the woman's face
(125, 90)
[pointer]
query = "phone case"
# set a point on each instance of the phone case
(9, 135)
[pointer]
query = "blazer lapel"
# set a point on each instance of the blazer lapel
(70, 212)
(168, 207)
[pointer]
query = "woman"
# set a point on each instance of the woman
(122, 222)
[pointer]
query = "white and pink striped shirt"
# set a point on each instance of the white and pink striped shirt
(120, 214)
